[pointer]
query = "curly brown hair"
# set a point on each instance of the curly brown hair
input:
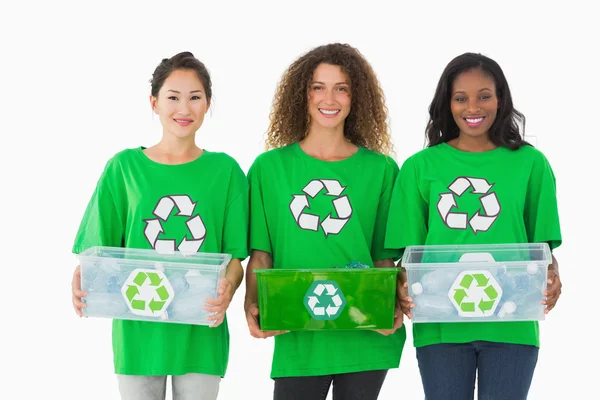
(365, 126)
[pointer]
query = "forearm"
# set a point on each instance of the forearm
(387, 263)
(234, 273)
(258, 260)
(402, 272)
(554, 265)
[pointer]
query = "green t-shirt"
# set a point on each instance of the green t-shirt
(342, 220)
(446, 196)
(133, 189)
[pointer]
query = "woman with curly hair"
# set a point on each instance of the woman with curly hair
(319, 198)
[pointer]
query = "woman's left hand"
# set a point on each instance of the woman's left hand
(553, 291)
(219, 305)
(398, 321)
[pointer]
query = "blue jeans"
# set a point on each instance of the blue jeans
(504, 370)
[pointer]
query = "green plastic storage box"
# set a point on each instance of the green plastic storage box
(326, 299)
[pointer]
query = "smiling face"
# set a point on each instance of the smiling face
(329, 97)
(474, 103)
(181, 103)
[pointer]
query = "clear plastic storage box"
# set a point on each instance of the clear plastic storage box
(473, 283)
(140, 284)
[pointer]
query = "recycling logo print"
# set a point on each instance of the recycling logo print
(147, 292)
(162, 211)
(475, 294)
(324, 300)
(331, 225)
(458, 220)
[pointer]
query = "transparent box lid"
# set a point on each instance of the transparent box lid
(415, 256)
(151, 257)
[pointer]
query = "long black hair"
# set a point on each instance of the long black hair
(506, 129)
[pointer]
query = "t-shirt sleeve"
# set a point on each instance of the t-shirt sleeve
(408, 215)
(378, 249)
(235, 228)
(102, 223)
(541, 206)
(259, 231)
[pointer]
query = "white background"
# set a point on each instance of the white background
(75, 91)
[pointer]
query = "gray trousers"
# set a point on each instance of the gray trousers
(185, 387)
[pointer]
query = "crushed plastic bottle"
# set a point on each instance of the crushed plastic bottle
(438, 281)
(507, 308)
(356, 264)
(189, 307)
(353, 264)
(114, 283)
(105, 304)
(433, 306)
(94, 280)
(179, 284)
(417, 288)
(196, 280)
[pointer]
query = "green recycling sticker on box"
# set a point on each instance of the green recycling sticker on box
(324, 300)
(475, 294)
(147, 292)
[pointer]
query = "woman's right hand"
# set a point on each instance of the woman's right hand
(77, 293)
(254, 326)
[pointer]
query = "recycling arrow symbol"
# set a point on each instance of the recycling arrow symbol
(331, 225)
(324, 300)
(162, 211)
(458, 220)
(147, 292)
(475, 294)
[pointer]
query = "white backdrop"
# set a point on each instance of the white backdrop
(75, 91)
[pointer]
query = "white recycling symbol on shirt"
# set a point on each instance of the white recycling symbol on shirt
(459, 220)
(331, 225)
(162, 211)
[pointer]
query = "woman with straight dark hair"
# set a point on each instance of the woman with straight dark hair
(206, 187)
(474, 138)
